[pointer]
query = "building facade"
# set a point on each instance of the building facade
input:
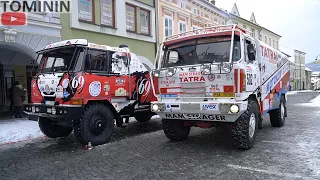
(315, 80)
(114, 22)
(308, 73)
(253, 28)
(178, 16)
(300, 75)
(18, 46)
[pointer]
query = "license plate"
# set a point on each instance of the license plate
(224, 94)
(49, 103)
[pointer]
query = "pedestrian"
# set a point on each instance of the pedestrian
(18, 98)
(10, 94)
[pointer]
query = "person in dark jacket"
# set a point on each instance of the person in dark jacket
(10, 95)
(18, 98)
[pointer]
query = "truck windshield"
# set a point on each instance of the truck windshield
(201, 51)
(58, 60)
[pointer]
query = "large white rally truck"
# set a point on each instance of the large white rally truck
(215, 75)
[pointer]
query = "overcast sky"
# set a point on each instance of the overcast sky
(297, 21)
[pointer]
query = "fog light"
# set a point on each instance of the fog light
(53, 110)
(224, 108)
(65, 111)
(155, 107)
(37, 109)
(33, 109)
(234, 108)
(61, 111)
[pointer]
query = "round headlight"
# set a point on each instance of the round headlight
(226, 67)
(224, 108)
(33, 109)
(53, 110)
(155, 107)
(37, 109)
(234, 108)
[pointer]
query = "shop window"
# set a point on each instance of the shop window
(144, 21)
(86, 10)
(131, 17)
(107, 12)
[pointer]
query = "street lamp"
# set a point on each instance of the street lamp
(316, 61)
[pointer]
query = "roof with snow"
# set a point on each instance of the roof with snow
(307, 69)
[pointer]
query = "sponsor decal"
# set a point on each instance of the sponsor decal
(218, 76)
(268, 53)
(169, 96)
(168, 81)
(52, 82)
(41, 88)
(95, 88)
(120, 81)
(106, 88)
(209, 106)
(34, 84)
(190, 74)
(211, 77)
(214, 88)
(121, 92)
(65, 83)
(168, 106)
(192, 79)
(66, 94)
(197, 116)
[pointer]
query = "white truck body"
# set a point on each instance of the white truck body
(188, 94)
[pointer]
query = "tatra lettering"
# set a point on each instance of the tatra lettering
(192, 79)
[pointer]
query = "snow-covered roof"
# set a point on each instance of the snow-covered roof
(307, 69)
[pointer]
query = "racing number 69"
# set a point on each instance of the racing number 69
(77, 81)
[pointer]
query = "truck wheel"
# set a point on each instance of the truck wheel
(53, 130)
(277, 116)
(175, 130)
(244, 129)
(96, 125)
(143, 117)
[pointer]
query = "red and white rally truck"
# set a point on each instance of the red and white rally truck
(86, 87)
(217, 75)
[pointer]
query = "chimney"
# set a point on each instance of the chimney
(213, 2)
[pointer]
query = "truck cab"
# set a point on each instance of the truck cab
(214, 76)
(86, 87)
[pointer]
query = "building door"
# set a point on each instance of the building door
(8, 81)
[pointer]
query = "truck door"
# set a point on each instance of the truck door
(252, 69)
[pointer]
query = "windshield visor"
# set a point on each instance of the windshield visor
(58, 60)
(201, 51)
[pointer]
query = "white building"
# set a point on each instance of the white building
(254, 29)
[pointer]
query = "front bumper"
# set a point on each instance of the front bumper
(199, 111)
(66, 113)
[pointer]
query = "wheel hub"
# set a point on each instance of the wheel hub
(282, 111)
(252, 125)
(97, 125)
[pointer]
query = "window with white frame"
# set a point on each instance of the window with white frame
(253, 32)
(182, 5)
(269, 41)
(182, 27)
(273, 44)
(194, 11)
(201, 14)
(168, 26)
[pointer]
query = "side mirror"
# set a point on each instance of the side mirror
(251, 52)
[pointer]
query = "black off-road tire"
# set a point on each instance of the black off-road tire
(240, 129)
(175, 130)
(277, 119)
(52, 130)
(143, 116)
(96, 125)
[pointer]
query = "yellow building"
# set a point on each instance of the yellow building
(178, 16)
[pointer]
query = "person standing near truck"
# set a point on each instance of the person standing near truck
(18, 98)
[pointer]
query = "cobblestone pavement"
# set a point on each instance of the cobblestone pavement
(290, 152)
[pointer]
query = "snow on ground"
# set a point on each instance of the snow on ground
(313, 103)
(18, 130)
